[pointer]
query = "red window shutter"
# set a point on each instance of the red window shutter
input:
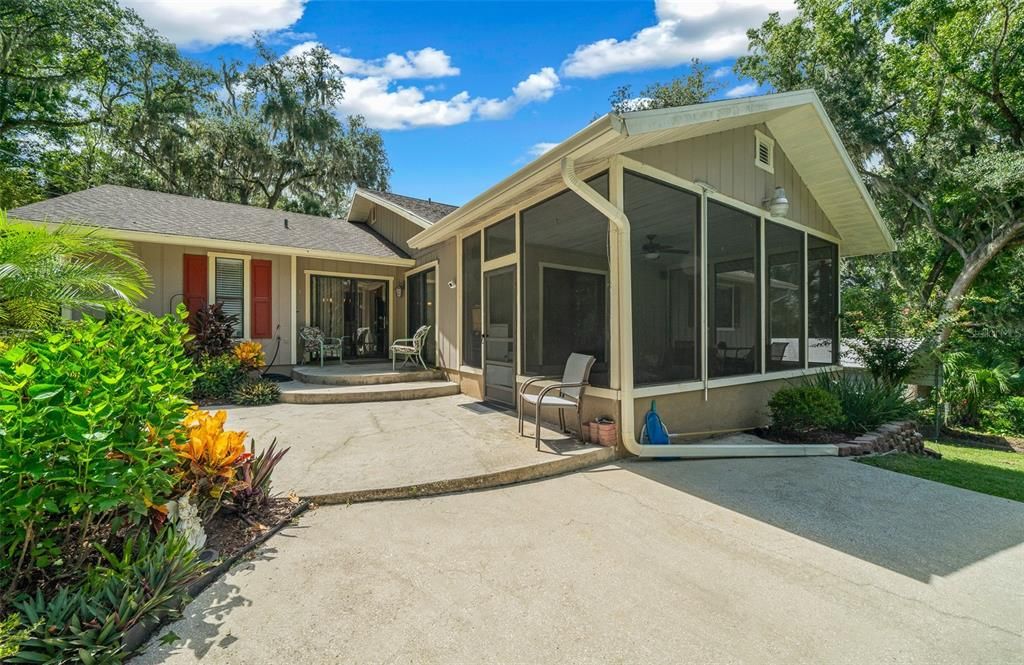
(196, 287)
(262, 326)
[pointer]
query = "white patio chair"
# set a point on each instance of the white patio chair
(575, 380)
(313, 341)
(410, 347)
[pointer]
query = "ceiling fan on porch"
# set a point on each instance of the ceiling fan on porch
(652, 249)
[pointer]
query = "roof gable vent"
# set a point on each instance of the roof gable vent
(764, 152)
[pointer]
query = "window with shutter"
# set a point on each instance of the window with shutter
(229, 289)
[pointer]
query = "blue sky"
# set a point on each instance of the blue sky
(466, 93)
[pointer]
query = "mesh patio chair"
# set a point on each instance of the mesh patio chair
(313, 341)
(410, 347)
(575, 380)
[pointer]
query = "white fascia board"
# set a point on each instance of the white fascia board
(643, 122)
(606, 127)
(397, 209)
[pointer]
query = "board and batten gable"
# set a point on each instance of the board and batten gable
(726, 161)
(394, 227)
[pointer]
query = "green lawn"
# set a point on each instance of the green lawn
(988, 471)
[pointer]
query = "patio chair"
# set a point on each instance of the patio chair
(410, 347)
(575, 380)
(313, 341)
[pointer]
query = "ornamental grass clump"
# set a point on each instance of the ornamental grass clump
(256, 392)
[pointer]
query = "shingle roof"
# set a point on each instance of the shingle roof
(129, 209)
(426, 209)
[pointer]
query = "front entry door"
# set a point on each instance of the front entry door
(499, 338)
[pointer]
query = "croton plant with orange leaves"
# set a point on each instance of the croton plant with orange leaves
(250, 354)
(210, 456)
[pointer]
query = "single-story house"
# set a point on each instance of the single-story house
(694, 251)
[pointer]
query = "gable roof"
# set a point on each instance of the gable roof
(131, 210)
(421, 212)
(797, 121)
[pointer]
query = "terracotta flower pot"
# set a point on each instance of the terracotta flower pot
(608, 434)
(595, 433)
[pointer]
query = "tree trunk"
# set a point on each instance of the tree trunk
(973, 265)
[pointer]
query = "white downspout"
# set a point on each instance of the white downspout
(625, 295)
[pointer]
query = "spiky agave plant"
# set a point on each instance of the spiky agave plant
(45, 271)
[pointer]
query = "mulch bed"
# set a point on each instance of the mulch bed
(1010, 444)
(228, 533)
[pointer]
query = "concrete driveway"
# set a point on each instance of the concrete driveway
(814, 560)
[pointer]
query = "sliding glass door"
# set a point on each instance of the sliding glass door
(423, 310)
(353, 309)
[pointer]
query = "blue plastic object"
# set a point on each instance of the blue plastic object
(655, 433)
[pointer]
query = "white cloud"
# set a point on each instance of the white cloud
(371, 90)
(707, 29)
(537, 87)
(197, 23)
(721, 72)
(742, 90)
(538, 149)
(427, 63)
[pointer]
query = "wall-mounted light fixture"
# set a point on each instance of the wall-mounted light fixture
(398, 291)
(451, 283)
(778, 204)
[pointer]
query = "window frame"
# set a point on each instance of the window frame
(246, 259)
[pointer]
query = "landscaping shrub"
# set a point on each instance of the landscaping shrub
(865, 403)
(973, 382)
(256, 392)
(801, 409)
(1006, 417)
(250, 355)
(253, 489)
(219, 377)
(212, 332)
(209, 456)
(86, 416)
(148, 581)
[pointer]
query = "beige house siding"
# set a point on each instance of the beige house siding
(165, 264)
(726, 162)
(742, 406)
(447, 305)
(393, 226)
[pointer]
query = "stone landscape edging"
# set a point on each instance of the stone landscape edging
(900, 435)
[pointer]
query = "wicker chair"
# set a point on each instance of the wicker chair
(313, 341)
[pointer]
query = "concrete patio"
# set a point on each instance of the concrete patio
(810, 560)
(352, 452)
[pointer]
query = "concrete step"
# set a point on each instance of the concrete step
(365, 376)
(298, 392)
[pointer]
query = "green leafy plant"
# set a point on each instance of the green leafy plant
(147, 581)
(212, 332)
(801, 409)
(253, 489)
(974, 381)
(1005, 417)
(219, 377)
(44, 271)
(12, 634)
(865, 403)
(257, 392)
(86, 418)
